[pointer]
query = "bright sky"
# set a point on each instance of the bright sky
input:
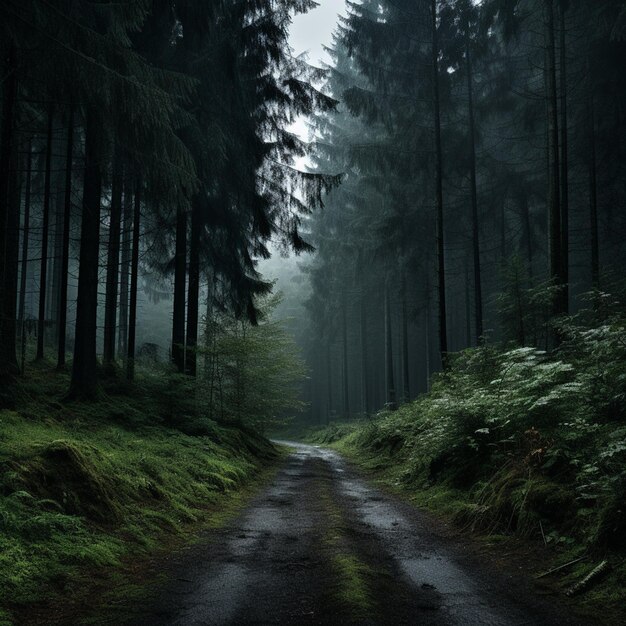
(311, 31)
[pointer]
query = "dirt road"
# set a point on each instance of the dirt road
(322, 546)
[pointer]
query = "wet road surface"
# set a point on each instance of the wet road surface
(322, 546)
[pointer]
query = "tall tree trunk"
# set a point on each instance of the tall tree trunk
(468, 308)
(363, 316)
(193, 295)
(25, 241)
(478, 292)
(406, 392)
(441, 264)
(391, 402)
(528, 236)
(84, 368)
(329, 381)
(556, 258)
(428, 333)
(180, 275)
(8, 355)
(65, 252)
(55, 283)
(593, 197)
(43, 273)
(122, 344)
(344, 341)
(113, 261)
(208, 329)
(134, 279)
(564, 168)
(12, 248)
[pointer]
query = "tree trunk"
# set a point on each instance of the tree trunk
(478, 293)
(428, 331)
(593, 198)
(25, 241)
(441, 269)
(134, 279)
(55, 282)
(329, 382)
(43, 273)
(468, 308)
(390, 385)
(193, 295)
(556, 259)
(406, 392)
(564, 170)
(84, 369)
(122, 344)
(113, 261)
(523, 199)
(65, 251)
(180, 272)
(8, 355)
(344, 342)
(363, 312)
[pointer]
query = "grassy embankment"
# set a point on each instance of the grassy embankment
(90, 491)
(519, 443)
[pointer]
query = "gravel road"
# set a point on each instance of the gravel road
(320, 545)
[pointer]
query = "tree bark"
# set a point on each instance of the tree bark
(113, 262)
(406, 392)
(564, 168)
(65, 250)
(523, 199)
(593, 198)
(193, 294)
(180, 272)
(441, 265)
(556, 258)
(468, 308)
(84, 368)
(43, 272)
(122, 344)
(25, 242)
(478, 293)
(344, 337)
(329, 382)
(8, 355)
(134, 280)
(428, 333)
(391, 402)
(363, 315)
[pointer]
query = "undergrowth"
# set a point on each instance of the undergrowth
(517, 440)
(85, 486)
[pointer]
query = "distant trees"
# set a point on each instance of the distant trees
(155, 136)
(470, 134)
(254, 372)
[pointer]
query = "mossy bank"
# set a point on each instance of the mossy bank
(88, 491)
(521, 444)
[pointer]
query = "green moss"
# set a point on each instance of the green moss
(81, 495)
(353, 589)
(352, 576)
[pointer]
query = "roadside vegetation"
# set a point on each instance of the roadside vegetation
(515, 440)
(89, 489)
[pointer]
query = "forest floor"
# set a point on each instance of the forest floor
(321, 545)
(90, 492)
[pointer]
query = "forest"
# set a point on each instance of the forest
(345, 336)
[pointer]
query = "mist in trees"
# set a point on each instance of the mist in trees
(146, 157)
(463, 184)
(481, 145)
